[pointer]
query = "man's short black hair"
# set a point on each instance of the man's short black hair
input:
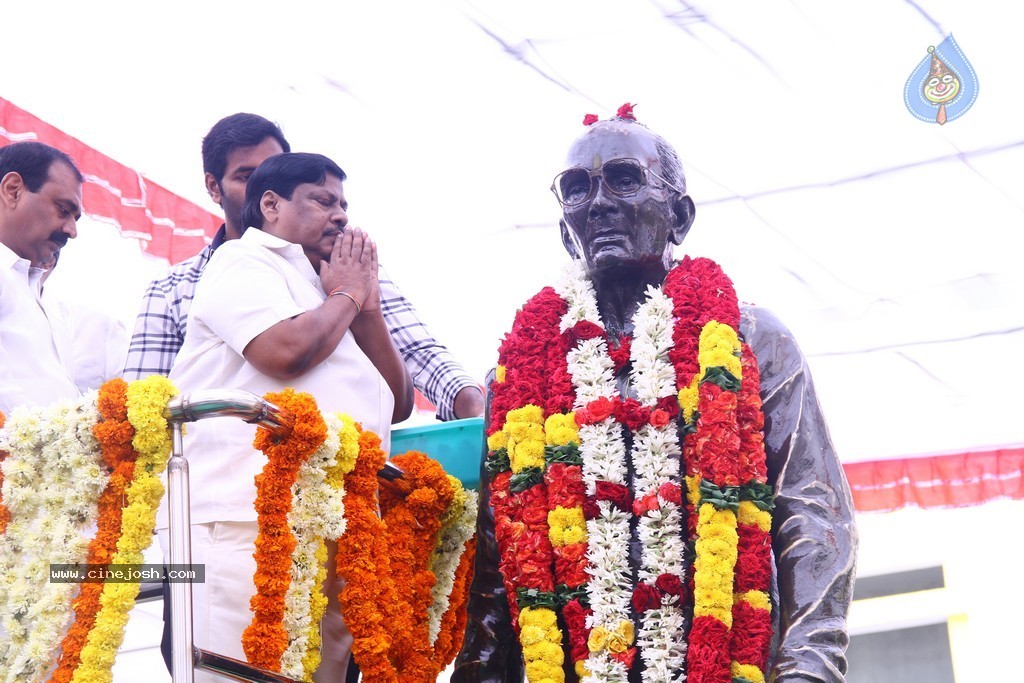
(32, 161)
(232, 132)
(282, 173)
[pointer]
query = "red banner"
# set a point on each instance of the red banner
(937, 481)
(170, 226)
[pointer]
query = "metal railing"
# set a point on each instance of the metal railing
(201, 405)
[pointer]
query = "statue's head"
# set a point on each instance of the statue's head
(623, 197)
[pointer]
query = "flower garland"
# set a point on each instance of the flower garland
(394, 587)
(5, 514)
(450, 563)
(266, 639)
(73, 466)
(114, 433)
(146, 401)
(369, 589)
(667, 363)
(317, 513)
(53, 478)
(412, 509)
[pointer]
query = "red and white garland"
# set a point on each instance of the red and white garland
(555, 364)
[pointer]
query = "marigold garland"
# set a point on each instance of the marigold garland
(412, 509)
(146, 402)
(369, 589)
(114, 433)
(265, 640)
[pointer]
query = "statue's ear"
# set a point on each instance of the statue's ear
(685, 211)
(568, 240)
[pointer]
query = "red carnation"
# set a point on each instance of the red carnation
(600, 409)
(626, 112)
(707, 658)
(617, 494)
(670, 584)
(646, 597)
(626, 658)
(590, 508)
(648, 503)
(659, 418)
(584, 330)
(671, 492)
(632, 414)
(620, 354)
(670, 404)
(590, 119)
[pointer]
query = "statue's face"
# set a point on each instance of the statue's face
(613, 231)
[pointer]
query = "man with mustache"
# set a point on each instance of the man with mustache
(293, 303)
(232, 150)
(40, 203)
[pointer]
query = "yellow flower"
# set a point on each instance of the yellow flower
(747, 671)
(719, 347)
(714, 567)
(751, 515)
(756, 599)
(689, 398)
(537, 616)
(693, 490)
(348, 452)
(497, 440)
(598, 639)
(566, 526)
(581, 669)
(562, 429)
(527, 453)
(499, 373)
(528, 413)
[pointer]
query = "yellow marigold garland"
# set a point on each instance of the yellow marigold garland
(114, 434)
(146, 403)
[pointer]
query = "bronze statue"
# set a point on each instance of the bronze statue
(660, 497)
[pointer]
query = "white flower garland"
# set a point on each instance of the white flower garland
(53, 478)
(603, 450)
(317, 512)
(457, 528)
(656, 455)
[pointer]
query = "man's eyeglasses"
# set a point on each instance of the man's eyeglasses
(621, 177)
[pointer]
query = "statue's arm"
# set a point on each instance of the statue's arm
(490, 650)
(815, 538)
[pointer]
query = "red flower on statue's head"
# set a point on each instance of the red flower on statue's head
(589, 119)
(626, 112)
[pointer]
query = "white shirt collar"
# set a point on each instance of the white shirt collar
(290, 251)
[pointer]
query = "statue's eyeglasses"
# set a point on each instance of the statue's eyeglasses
(621, 177)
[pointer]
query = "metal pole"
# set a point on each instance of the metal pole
(181, 554)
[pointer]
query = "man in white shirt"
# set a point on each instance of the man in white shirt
(40, 202)
(294, 302)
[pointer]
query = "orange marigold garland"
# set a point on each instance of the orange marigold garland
(114, 433)
(265, 639)
(364, 563)
(412, 508)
